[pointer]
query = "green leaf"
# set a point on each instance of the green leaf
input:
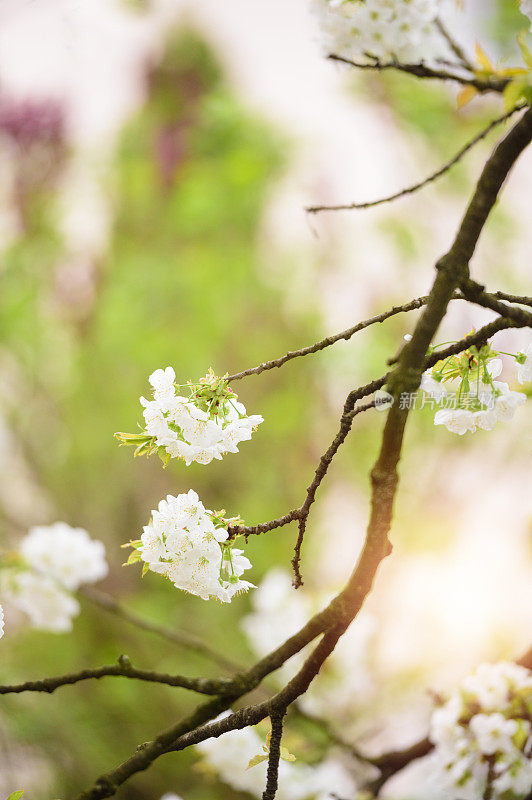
(16, 795)
(513, 93)
(164, 456)
(133, 558)
(286, 755)
(256, 760)
(145, 568)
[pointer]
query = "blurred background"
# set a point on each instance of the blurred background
(155, 161)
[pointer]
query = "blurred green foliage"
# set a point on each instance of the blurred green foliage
(180, 286)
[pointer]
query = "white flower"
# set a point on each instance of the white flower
(493, 732)
(171, 796)
(193, 433)
(480, 734)
(507, 401)
(494, 367)
(432, 387)
(67, 554)
(48, 606)
(524, 364)
(163, 381)
(183, 543)
(485, 419)
(456, 420)
(1, 621)
(516, 778)
(386, 29)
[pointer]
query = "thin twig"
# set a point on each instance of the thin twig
(475, 338)
(323, 343)
(430, 179)
(475, 293)
(457, 49)
(180, 638)
(423, 71)
(122, 669)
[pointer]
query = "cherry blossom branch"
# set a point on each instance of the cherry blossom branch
(452, 270)
(272, 775)
(457, 49)
(180, 638)
(330, 340)
(514, 298)
(122, 669)
(426, 181)
(349, 412)
(475, 293)
(482, 85)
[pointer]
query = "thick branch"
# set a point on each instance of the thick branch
(272, 775)
(514, 298)
(426, 181)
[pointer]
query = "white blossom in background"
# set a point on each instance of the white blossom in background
(185, 542)
(403, 30)
(204, 426)
(279, 612)
(1, 621)
(171, 796)
(68, 555)
(229, 756)
(53, 561)
(483, 735)
(48, 606)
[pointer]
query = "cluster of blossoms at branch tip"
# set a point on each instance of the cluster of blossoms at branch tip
(187, 544)
(207, 424)
(52, 562)
(483, 735)
(401, 30)
(478, 401)
(1, 621)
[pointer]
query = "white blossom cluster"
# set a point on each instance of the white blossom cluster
(230, 754)
(68, 555)
(480, 401)
(401, 30)
(1, 621)
(53, 561)
(482, 735)
(185, 543)
(206, 425)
